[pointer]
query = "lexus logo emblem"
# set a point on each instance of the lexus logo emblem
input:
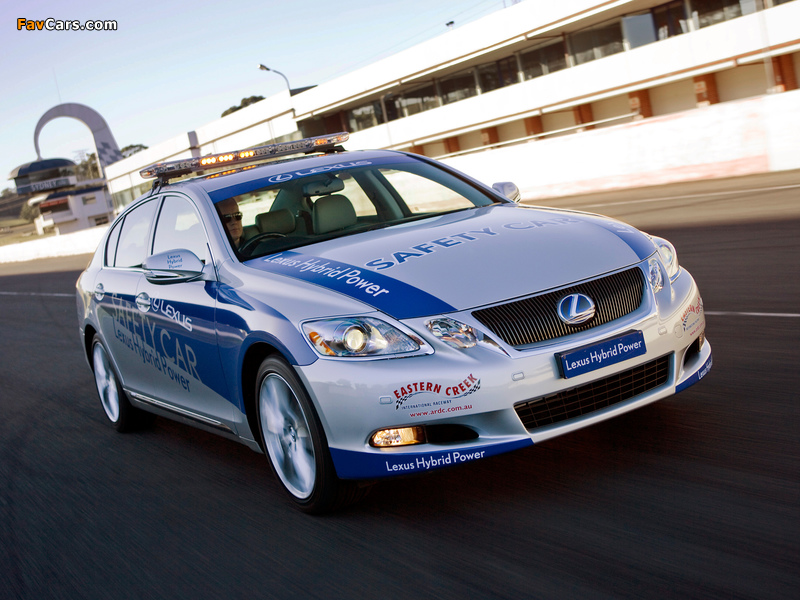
(576, 309)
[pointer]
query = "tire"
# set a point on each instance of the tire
(294, 441)
(122, 415)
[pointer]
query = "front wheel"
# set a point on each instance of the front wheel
(295, 443)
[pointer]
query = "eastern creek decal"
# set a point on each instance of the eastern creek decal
(442, 398)
(394, 297)
(692, 318)
(456, 239)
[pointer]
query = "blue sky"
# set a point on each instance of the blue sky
(176, 65)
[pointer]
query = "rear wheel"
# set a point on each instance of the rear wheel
(123, 416)
(295, 443)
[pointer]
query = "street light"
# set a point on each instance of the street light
(264, 68)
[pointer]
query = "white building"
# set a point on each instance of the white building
(560, 97)
(65, 205)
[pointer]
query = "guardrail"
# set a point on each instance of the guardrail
(537, 136)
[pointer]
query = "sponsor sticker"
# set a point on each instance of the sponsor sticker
(696, 376)
(693, 319)
(396, 298)
(363, 465)
(602, 354)
(428, 399)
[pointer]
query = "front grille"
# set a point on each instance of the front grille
(535, 319)
(569, 404)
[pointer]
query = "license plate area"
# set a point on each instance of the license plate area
(601, 354)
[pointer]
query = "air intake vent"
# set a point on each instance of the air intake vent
(579, 401)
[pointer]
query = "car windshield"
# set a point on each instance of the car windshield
(310, 207)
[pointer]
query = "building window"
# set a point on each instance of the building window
(639, 30)
(543, 60)
(100, 220)
(711, 12)
(415, 101)
(596, 42)
(364, 117)
(498, 74)
(670, 19)
(89, 200)
(54, 206)
(459, 86)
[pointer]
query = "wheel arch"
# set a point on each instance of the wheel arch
(88, 337)
(254, 356)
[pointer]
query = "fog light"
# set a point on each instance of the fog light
(402, 436)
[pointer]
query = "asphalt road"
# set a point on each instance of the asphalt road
(697, 496)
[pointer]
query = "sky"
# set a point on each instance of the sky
(175, 65)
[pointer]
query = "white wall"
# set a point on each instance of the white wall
(734, 138)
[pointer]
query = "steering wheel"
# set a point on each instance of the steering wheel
(248, 246)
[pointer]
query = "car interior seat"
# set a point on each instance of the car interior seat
(332, 213)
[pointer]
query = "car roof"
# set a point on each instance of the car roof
(251, 177)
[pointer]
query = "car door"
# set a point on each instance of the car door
(179, 322)
(119, 320)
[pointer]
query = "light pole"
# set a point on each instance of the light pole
(265, 68)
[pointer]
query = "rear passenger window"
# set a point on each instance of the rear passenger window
(111, 244)
(132, 245)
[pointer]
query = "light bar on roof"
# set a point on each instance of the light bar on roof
(176, 168)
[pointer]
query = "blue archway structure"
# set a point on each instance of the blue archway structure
(107, 148)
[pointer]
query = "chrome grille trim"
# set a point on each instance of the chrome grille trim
(535, 319)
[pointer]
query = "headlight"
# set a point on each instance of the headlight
(654, 273)
(668, 256)
(459, 335)
(456, 334)
(358, 336)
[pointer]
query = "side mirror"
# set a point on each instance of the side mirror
(173, 266)
(507, 189)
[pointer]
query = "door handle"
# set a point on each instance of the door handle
(143, 302)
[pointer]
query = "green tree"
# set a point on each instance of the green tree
(28, 212)
(244, 102)
(86, 167)
(132, 149)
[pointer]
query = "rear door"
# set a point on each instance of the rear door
(121, 325)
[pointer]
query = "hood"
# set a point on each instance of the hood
(466, 259)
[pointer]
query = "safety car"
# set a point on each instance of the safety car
(367, 314)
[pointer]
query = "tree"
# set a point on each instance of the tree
(245, 102)
(86, 167)
(132, 149)
(28, 212)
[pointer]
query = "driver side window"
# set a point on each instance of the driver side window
(179, 226)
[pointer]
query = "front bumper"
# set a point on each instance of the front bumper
(477, 389)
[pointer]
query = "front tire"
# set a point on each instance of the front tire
(295, 443)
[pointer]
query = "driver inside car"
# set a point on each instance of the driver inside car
(232, 218)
